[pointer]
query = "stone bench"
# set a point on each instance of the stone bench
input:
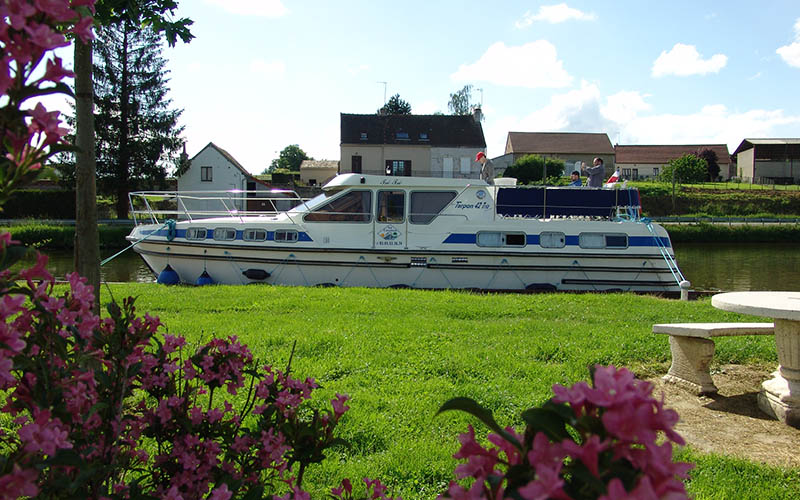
(692, 349)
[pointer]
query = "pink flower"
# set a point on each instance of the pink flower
(345, 487)
(339, 406)
(220, 493)
(44, 435)
(19, 483)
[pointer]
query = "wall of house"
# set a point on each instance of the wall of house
(447, 162)
(373, 158)
(320, 175)
(745, 161)
(224, 176)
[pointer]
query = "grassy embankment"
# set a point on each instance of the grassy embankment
(401, 353)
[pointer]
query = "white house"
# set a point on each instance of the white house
(214, 169)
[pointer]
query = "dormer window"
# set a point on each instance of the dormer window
(401, 136)
(363, 136)
(423, 136)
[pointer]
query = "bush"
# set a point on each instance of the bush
(529, 169)
(63, 237)
(40, 204)
(686, 169)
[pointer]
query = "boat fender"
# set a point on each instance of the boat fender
(171, 230)
(256, 274)
(204, 279)
(168, 276)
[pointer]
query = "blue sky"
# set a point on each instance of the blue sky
(263, 74)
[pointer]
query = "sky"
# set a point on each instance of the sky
(264, 74)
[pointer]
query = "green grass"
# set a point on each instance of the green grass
(401, 353)
(53, 236)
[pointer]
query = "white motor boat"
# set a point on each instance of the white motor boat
(415, 232)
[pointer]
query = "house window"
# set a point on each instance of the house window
(423, 136)
(634, 174)
(626, 173)
(447, 168)
(205, 174)
(401, 136)
(398, 168)
(466, 165)
(655, 172)
(363, 136)
(355, 164)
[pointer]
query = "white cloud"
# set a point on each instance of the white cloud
(425, 108)
(553, 14)
(260, 8)
(625, 117)
(791, 53)
(355, 70)
(533, 65)
(270, 69)
(684, 60)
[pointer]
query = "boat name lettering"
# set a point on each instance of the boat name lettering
(391, 181)
(481, 205)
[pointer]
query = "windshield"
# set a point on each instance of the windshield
(314, 202)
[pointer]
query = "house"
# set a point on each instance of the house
(574, 148)
(214, 169)
(769, 161)
(646, 161)
(418, 145)
(318, 172)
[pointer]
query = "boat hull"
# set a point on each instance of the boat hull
(430, 269)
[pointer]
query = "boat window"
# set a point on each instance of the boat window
(551, 239)
(353, 206)
(592, 240)
(426, 205)
(497, 239)
(391, 205)
(603, 240)
(255, 235)
(224, 233)
(616, 241)
(196, 233)
(286, 235)
(489, 239)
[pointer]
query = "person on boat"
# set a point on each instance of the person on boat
(575, 179)
(596, 173)
(487, 167)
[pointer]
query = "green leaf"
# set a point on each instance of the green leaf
(548, 421)
(255, 493)
(12, 255)
(472, 407)
(65, 457)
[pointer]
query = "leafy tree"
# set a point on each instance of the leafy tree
(533, 168)
(713, 163)
(395, 106)
(290, 159)
(460, 101)
(137, 134)
(687, 169)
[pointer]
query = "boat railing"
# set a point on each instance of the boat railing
(157, 206)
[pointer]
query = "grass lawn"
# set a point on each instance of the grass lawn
(401, 353)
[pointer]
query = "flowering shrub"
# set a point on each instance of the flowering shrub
(104, 408)
(29, 33)
(597, 441)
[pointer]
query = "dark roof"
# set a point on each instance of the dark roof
(790, 147)
(663, 154)
(417, 130)
(558, 142)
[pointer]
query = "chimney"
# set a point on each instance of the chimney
(477, 115)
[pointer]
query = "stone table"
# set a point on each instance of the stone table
(779, 396)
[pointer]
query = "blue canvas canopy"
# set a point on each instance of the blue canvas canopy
(549, 202)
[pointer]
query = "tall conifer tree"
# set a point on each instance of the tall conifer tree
(137, 132)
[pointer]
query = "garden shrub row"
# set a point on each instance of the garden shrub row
(56, 237)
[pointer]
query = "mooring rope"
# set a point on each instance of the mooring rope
(169, 224)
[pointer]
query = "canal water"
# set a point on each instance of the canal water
(709, 266)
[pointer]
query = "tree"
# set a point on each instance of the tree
(533, 168)
(290, 159)
(155, 13)
(460, 101)
(137, 133)
(713, 163)
(395, 106)
(686, 169)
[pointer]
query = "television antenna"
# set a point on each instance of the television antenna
(481, 91)
(384, 92)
